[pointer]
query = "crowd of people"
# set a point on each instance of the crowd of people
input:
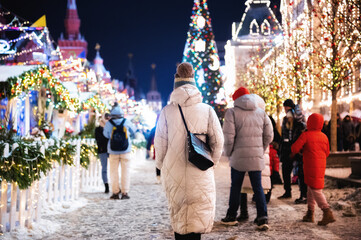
(248, 138)
(252, 144)
(348, 133)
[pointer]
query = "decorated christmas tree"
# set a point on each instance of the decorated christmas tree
(201, 52)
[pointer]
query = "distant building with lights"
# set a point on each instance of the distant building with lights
(22, 44)
(73, 43)
(257, 32)
(299, 29)
(154, 98)
(104, 84)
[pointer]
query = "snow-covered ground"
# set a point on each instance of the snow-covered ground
(145, 214)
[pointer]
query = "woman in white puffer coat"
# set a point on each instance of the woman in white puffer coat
(190, 191)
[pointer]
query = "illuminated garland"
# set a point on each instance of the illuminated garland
(94, 102)
(41, 77)
(339, 47)
(85, 152)
(25, 164)
(35, 80)
(64, 152)
(23, 167)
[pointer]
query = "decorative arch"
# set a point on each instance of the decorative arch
(266, 27)
(254, 28)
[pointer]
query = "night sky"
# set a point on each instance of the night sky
(153, 30)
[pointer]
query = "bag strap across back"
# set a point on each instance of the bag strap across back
(113, 123)
(184, 121)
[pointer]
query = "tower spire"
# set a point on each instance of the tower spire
(98, 59)
(72, 21)
(71, 4)
(153, 85)
(130, 66)
(72, 43)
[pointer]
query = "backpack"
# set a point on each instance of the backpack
(119, 137)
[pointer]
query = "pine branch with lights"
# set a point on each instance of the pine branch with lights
(24, 164)
(67, 152)
(94, 102)
(89, 130)
(201, 52)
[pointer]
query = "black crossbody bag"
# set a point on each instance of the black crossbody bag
(199, 151)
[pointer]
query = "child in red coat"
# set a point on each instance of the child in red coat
(315, 151)
(274, 160)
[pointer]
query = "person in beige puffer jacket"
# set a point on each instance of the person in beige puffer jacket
(190, 191)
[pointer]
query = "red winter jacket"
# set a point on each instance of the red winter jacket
(315, 151)
(274, 161)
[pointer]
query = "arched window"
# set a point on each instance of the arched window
(265, 28)
(254, 28)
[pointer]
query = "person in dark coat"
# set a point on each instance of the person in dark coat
(326, 129)
(292, 127)
(339, 133)
(102, 143)
(150, 142)
(348, 130)
(358, 134)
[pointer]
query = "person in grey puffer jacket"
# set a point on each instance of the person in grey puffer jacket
(247, 133)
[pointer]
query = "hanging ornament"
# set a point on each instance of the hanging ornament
(201, 22)
(215, 64)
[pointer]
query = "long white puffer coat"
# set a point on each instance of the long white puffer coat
(190, 192)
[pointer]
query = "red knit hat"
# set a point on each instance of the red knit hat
(239, 93)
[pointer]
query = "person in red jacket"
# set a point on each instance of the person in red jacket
(274, 165)
(315, 151)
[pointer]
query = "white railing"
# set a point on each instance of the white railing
(62, 183)
(18, 207)
(92, 177)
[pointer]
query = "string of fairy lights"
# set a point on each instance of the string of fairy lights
(56, 92)
(42, 39)
(313, 55)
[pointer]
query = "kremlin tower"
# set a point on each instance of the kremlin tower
(154, 98)
(73, 43)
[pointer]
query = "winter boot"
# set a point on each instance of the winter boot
(124, 196)
(309, 217)
(285, 195)
(243, 216)
(230, 221)
(106, 188)
(327, 217)
(243, 208)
